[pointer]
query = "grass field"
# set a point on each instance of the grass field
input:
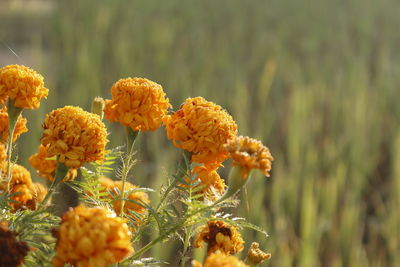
(317, 81)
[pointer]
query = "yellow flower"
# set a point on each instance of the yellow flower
(12, 251)
(21, 85)
(249, 154)
(202, 128)
(220, 260)
(46, 167)
(210, 178)
(219, 236)
(74, 136)
(29, 193)
(137, 103)
(91, 237)
(20, 126)
(255, 255)
(116, 187)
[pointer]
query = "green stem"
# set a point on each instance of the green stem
(182, 164)
(186, 245)
(130, 142)
(13, 114)
(61, 172)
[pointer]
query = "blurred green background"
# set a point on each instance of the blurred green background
(318, 81)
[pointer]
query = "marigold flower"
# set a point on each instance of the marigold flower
(219, 236)
(12, 251)
(20, 126)
(3, 157)
(137, 103)
(22, 85)
(21, 183)
(116, 187)
(91, 237)
(220, 260)
(250, 154)
(210, 178)
(46, 167)
(75, 136)
(202, 128)
(255, 255)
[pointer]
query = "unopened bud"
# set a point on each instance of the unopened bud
(98, 106)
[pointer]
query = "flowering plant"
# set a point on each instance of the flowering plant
(114, 214)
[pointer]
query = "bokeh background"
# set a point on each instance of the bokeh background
(318, 81)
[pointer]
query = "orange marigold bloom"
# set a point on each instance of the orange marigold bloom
(22, 85)
(220, 260)
(210, 178)
(12, 251)
(137, 103)
(28, 192)
(46, 167)
(250, 154)
(116, 187)
(20, 126)
(75, 136)
(220, 236)
(202, 128)
(255, 255)
(91, 237)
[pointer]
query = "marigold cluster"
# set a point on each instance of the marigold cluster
(22, 85)
(210, 179)
(220, 260)
(255, 255)
(202, 128)
(220, 236)
(46, 167)
(115, 189)
(29, 194)
(74, 136)
(249, 154)
(12, 251)
(20, 126)
(91, 237)
(137, 103)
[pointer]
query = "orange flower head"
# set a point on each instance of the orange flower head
(202, 128)
(255, 255)
(220, 236)
(22, 85)
(20, 126)
(250, 154)
(220, 260)
(116, 187)
(3, 157)
(137, 103)
(12, 251)
(74, 136)
(210, 178)
(91, 237)
(21, 183)
(46, 167)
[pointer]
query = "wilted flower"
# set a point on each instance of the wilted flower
(255, 255)
(220, 260)
(22, 85)
(74, 136)
(202, 128)
(220, 236)
(46, 167)
(249, 154)
(20, 126)
(116, 186)
(92, 237)
(137, 103)
(12, 251)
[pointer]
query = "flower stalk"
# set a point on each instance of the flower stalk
(13, 114)
(61, 172)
